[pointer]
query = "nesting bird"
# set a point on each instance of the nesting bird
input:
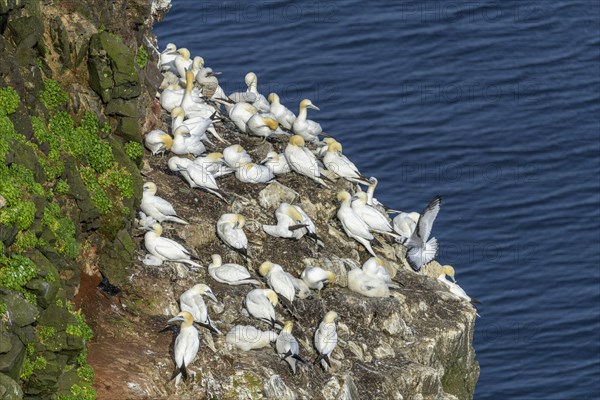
(246, 337)
(289, 223)
(353, 225)
(368, 285)
(214, 163)
(277, 163)
(306, 128)
(374, 219)
(186, 345)
(196, 175)
(326, 339)
(260, 304)
(166, 249)
(280, 282)
(302, 160)
(284, 116)
(185, 143)
(229, 229)
(287, 346)
(249, 172)
(158, 142)
(251, 95)
(191, 301)
(317, 277)
(235, 155)
(420, 250)
(340, 165)
(230, 274)
(374, 267)
(157, 207)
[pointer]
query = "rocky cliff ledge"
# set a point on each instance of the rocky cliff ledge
(77, 86)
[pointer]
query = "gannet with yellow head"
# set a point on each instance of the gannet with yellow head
(284, 116)
(186, 345)
(276, 162)
(230, 273)
(249, 172)
(340, 165)
(280, 282)
(246, 337)
(260, 304)
(308, 129)
(317, 277)
(287, 346)
(353, 225)
(302, 160)
(158, 141)
(166, 249)
(191, 301)
(229, 229)
(157, 207)
(326, 339)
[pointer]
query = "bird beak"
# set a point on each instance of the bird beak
(176, 319)
(211, 296)
(313, 107)
(266, 159)
(237, 224)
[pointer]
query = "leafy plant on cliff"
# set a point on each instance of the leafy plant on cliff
(9, 100)
(134, 150)
(141, 58)
(53, 95)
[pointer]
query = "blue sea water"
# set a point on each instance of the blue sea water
(495, 105)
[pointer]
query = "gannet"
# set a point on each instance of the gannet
(353, 225)
(260, 303)
(166, 249)
(374, 267)
(405, 223)
(287, 346)
(340, 165)
(263, 125)
(167, 56)
(192, 107)
(196, 175)
(240, 113)
(157, 207)
(368, 285)
(182, 62)
(158, 141)
(170, 79)
(145, 222)
(197, 64)
(191, 301)
(301, 288)
(209, 83)
(326, 339)
(375, 220)
(280, 282)
(289, 221)
(284, 116)
(229, 229)
(251, 95)
(309, 228)
(309, 130)
(171, 96)
(235, 155)
(302, 160)
(322, 146)
(230, 274)
(246, 337)
(420, 250)
(317, 277)
(186, 345)
(448, 270)
(277, 163)
(196, 126)
(249, 172)
(215, 164)
(184, 143)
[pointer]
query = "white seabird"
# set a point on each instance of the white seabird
(240, 114)
(420, 250)
(284, 116)
(448, 270)
(166, 249)
(185, 143)
(235, 155)
(251, 95)
(308, 129)
(158, 141)
(375, 220)
(287, 346)
(302, 160)
(326, 339)
(191, 301)
(249, 172)
(214, 163)
(276, 162)
(260, 304)
(289, 221)
(340, 165)
(229, 229)
(196, 175)
(230, 273)
(246, 337)
(317, 277)
(280, 282)
(368, 285)
(186, 345)
(374, 267)
(353, 224)
(157, 207)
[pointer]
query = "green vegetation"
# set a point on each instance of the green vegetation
(134, 150)
(45, 333)
(81, 329)
(15, 272)
(98, 194)
(9, 100)
(141, 58)
(62, 228)
(53, 95)
(83, 392)
(29, 366)
(61, 187)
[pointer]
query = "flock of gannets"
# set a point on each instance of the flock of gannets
(192, 95)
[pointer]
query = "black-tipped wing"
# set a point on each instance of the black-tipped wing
(427, 218)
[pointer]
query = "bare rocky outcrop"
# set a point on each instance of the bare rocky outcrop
(416, 344)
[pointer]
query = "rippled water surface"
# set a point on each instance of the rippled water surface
(493, 104)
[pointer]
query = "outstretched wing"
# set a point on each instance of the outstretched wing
(427, 217)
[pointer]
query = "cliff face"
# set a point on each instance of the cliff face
(79, 89)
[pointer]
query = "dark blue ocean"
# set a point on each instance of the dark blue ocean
(495, 105)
